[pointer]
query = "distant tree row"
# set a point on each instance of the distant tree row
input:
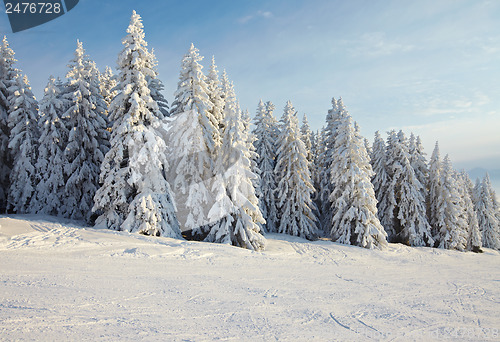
(108, 150)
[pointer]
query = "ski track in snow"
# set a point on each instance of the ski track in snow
(63, 281)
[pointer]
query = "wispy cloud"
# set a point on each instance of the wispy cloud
(257, 15)
(375, 44)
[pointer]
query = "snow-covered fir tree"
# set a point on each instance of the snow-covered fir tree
(380, 179)
(88, 139)
(405, 216)
(240, 227)
(193, 144)
(368, 148)
(156, 86)
(294, 186)
(466, 188)
(7, 78)
(49, 194)
(494, 200)
(217, 102)
(23, 144)
(325, 187)
(418, 162)
(435, 195)
(306, 135)
(453, 232)
(265, 146)
(135, 196)
(487, 214)
(107, 86)
(354, 205)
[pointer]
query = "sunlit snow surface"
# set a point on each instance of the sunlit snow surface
(60, 281)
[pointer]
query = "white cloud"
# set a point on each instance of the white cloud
(376, 44)
(258, 14)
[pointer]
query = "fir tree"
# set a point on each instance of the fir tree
(380, 179)
(453, 232)
(328, 140)
(418, 162)
(265, 147)
(294, 187)
(49, 194)
(487, 215)
(353, 200)
(88, 139)
(156, 86)
(192, 142)
(241, 226)
(23, 125)
(135, 196)
(435, 196)
(306, 135)
(405, 215)
(217, 102)
(107, 86)
(466, 188)
(8, 76)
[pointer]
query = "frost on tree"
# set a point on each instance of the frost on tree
(466, 190)
(487, 212)
(306, 135)
(23, 125)
(294, 187)
(406, 220)
(7, 78)
(135, 195)
(418, 162)
(240, 227)
(265, 146)
(353, 200)
(49, 195)
(380, 180)
(450, 215)
(217, 102)
(333, 119)
(88, 139)
(435, 195)
(192, 142)
(156, 86)
(107, 86)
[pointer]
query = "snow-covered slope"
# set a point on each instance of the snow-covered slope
(60, 281)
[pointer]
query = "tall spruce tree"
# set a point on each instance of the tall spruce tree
(49, 194)
(380, 180)
(435, 196)
(327, 150)
(465, 189)
(487, 214)
(405, 216)
(193, 144)
(353, 199)
(294, 187)
(240, 227)
(135, 196)
(23, 144)
(88, 139)
(265, 146)
(107, 86)
(8, 76)
(451, 219)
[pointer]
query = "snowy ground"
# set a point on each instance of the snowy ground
(59, 281)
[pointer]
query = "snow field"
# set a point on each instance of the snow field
(60, 281)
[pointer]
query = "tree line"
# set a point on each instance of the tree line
(109, 150)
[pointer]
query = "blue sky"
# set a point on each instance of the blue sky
(431, 67)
